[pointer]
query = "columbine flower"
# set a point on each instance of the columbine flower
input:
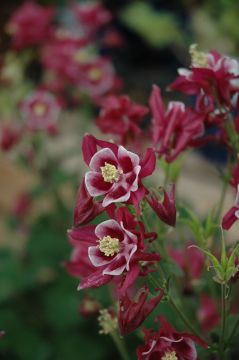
(91, 16)
(40, 111)
(10, 135)
(212, 77)
(115, 173)
(86, 209)
(168, 344)
(132, 314)
(165, 209)
(115, 248)
(120, 116)
(30, 25)
(174, 129)
(232, 214)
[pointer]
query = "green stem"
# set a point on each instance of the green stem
(222, 199)
(184, 318)
(233, 332)
(223, 321)
(167, 175)
(119, 343)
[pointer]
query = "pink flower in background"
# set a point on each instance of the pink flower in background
(22, 205)
(91, 16)
(174, 129)
(208, 313)
(114, 247)
(165, 209)
(10, 135)
(98, 77)
(115, 173)
(133, 313)
(64, 56)
(168, 344)
(30, 25)
(214, 78)
(120, 116)
(232, 214)
(191, 260)
(40, 111)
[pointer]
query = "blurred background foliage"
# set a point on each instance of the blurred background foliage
(39, 304)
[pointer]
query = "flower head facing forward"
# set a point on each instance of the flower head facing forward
(115, 173)
(168, 344)
(40, 110)
(115, 247)
(30, 25)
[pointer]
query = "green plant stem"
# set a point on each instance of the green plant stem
(184, 318)
(119, 343)
(167, 175)
(223, 321)
(222, 199)
(233, 332)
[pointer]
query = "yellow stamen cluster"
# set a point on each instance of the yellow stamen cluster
(109, 246)
(95, 74)
(39, 109)
(110, 173)
(170, 355)
(199, 58)
(107, 322)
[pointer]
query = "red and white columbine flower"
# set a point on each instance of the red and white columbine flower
(168, 344)
(214, 79)
(115, 173)
(41, 111)
(115, 247)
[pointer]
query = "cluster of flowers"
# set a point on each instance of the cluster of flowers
(70, 62)
(120, 250)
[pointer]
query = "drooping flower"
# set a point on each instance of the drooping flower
(91, 16)
(30, 25)
(174, 129)
(114, 248)
(22, 205)
(115, 173)
(208, 313)
(86, 208)
(120, 116)
(213, 78)
(168, 344)
(40, 111)
(165, 209)
(232, 214)
(133, 313)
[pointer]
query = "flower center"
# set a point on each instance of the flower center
(95, 74)
(199, 58)
(109, 246)
(81, 56)
(170, 355)
(110, 173)
(39, 109)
